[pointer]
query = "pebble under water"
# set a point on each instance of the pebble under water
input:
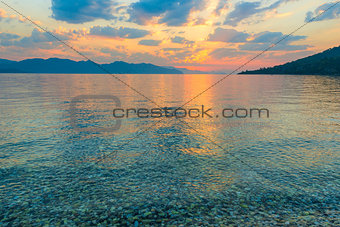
(283, 170)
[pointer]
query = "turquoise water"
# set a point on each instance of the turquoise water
(204, 171)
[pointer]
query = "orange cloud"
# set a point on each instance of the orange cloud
(3, 13)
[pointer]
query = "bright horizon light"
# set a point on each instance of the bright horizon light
(207, 35)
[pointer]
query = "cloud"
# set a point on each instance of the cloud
(257, 42)
(8, 36)
(3, 13)
(113, 53)
(244, 10)
(172, 49)
(37, 39)
(181, 40)
(221, 53)
(9, 18)
(177, 54)
(122, 32)
(280, 47)
(81, 11)
(150, 42)
(263, 40)
(333, 13)
(169, 12)
(288, 56)
(228, 36)
(273, 37)
(222, 5)
(143, 57)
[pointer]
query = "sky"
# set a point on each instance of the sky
(206, 35)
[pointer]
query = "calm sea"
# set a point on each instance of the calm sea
(58, 165)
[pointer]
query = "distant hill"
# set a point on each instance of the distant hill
(188, 71)
(4, 61)
(325, 63)
(56, 65)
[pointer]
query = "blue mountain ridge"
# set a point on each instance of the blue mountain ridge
(62, 66)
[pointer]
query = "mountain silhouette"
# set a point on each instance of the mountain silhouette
(325, 63)
(56, 65)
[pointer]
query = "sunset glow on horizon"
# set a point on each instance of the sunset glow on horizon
(214, 35)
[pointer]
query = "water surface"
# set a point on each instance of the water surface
(253, 171)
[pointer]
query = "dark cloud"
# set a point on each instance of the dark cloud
(181, 40)
(259, 42)
(122, 32)
(228, 36)
(222, 4)
(244, 10)
(263, 40)
(333, 13)
(8, 36)
(8, 39)
(150, 42)
(280, 47)
(173, 49)
(273, 37)
(37, 39)
(40, 37)
(81, 11)
(170, 12)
